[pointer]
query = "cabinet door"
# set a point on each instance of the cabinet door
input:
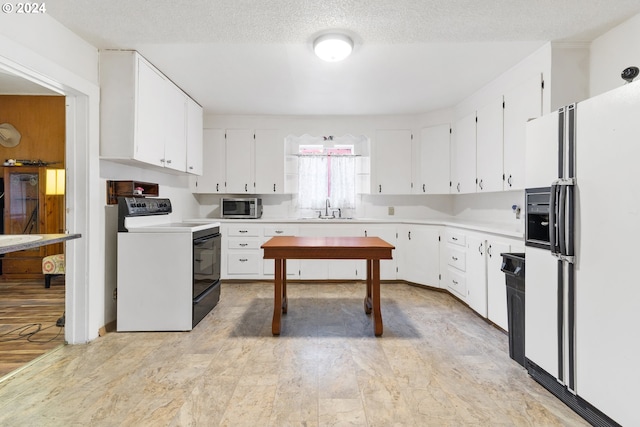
(388, 234)
(434, 148)
(213, 171)
(420, 258)
(150, 115)
(345, 269)
(476, 275)
(175, 128)
(392, 162)
(194, 137)
(313, 269)
(269, 158)
(496, 283)
(489, 147)
(464, 155)
(240, 166)
(542, 151)
(522, 104)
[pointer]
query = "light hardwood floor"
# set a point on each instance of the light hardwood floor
(437, 364)
(28, 315)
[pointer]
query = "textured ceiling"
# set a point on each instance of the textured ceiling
(410, 56)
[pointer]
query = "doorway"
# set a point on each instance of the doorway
(81, 160)
(31, 315)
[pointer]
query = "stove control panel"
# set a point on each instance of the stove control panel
(141, 206)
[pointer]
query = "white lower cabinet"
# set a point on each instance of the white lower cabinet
(496, 282)
(315, 269)
(268, 265)
(419, 254)
(465, 263)
(243, 253)
(472, 271)
(477, 273)
(454, 263)
(388, 233)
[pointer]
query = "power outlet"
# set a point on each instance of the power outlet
(392, 210)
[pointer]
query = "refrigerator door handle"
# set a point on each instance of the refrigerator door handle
(553, 218)
(562, 220)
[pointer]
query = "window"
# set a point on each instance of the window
(326, 173)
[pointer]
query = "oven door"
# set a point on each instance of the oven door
(206, 262)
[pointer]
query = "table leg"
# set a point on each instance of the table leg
(367, 298)
(285, 300)
(277, 298)
(375, 293)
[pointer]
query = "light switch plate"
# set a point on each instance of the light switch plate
(392, 210)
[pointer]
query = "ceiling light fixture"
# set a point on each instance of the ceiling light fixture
(333, 47)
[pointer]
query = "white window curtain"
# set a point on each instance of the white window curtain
(326, 170)
(342, 182)
(312, 181)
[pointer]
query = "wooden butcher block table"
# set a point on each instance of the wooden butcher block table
(372, 249)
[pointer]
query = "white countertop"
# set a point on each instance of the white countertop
(510, 230)
(176, 227)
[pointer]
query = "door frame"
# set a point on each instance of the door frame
(83, 278)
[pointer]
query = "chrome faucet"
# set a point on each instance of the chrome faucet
(327, 205)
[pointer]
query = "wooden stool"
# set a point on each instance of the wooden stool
(52, 265)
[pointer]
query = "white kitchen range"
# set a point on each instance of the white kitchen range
(168, 273)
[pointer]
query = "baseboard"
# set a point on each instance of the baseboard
(109, 327)
(580, 406)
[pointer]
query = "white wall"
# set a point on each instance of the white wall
(611, 53)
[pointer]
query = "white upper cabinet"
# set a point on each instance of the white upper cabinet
(489, 146)
(148, 112)
(144, 116)
(392, 162)
(522, 103)
(214, 170)
(464, 155)
(240, 161)
(269, 161)
(175, 129)
(433, 153)
(194, 137)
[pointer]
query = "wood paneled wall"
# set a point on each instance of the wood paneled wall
(41, 122)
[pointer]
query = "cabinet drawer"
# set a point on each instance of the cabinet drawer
(239, 230)
(457, 258)
(280, 230)
(243, 243)
(456, 238)
(457, 282)
(243, 263)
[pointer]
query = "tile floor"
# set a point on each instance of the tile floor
(437, 364)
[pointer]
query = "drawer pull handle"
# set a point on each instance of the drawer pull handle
(243, 231)
(279, 231)
(455, 282)
(243, 260)
(243, 244)
(454, 258)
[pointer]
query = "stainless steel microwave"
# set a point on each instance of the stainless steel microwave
(242, 207)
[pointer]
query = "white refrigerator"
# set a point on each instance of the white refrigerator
(582, 304)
